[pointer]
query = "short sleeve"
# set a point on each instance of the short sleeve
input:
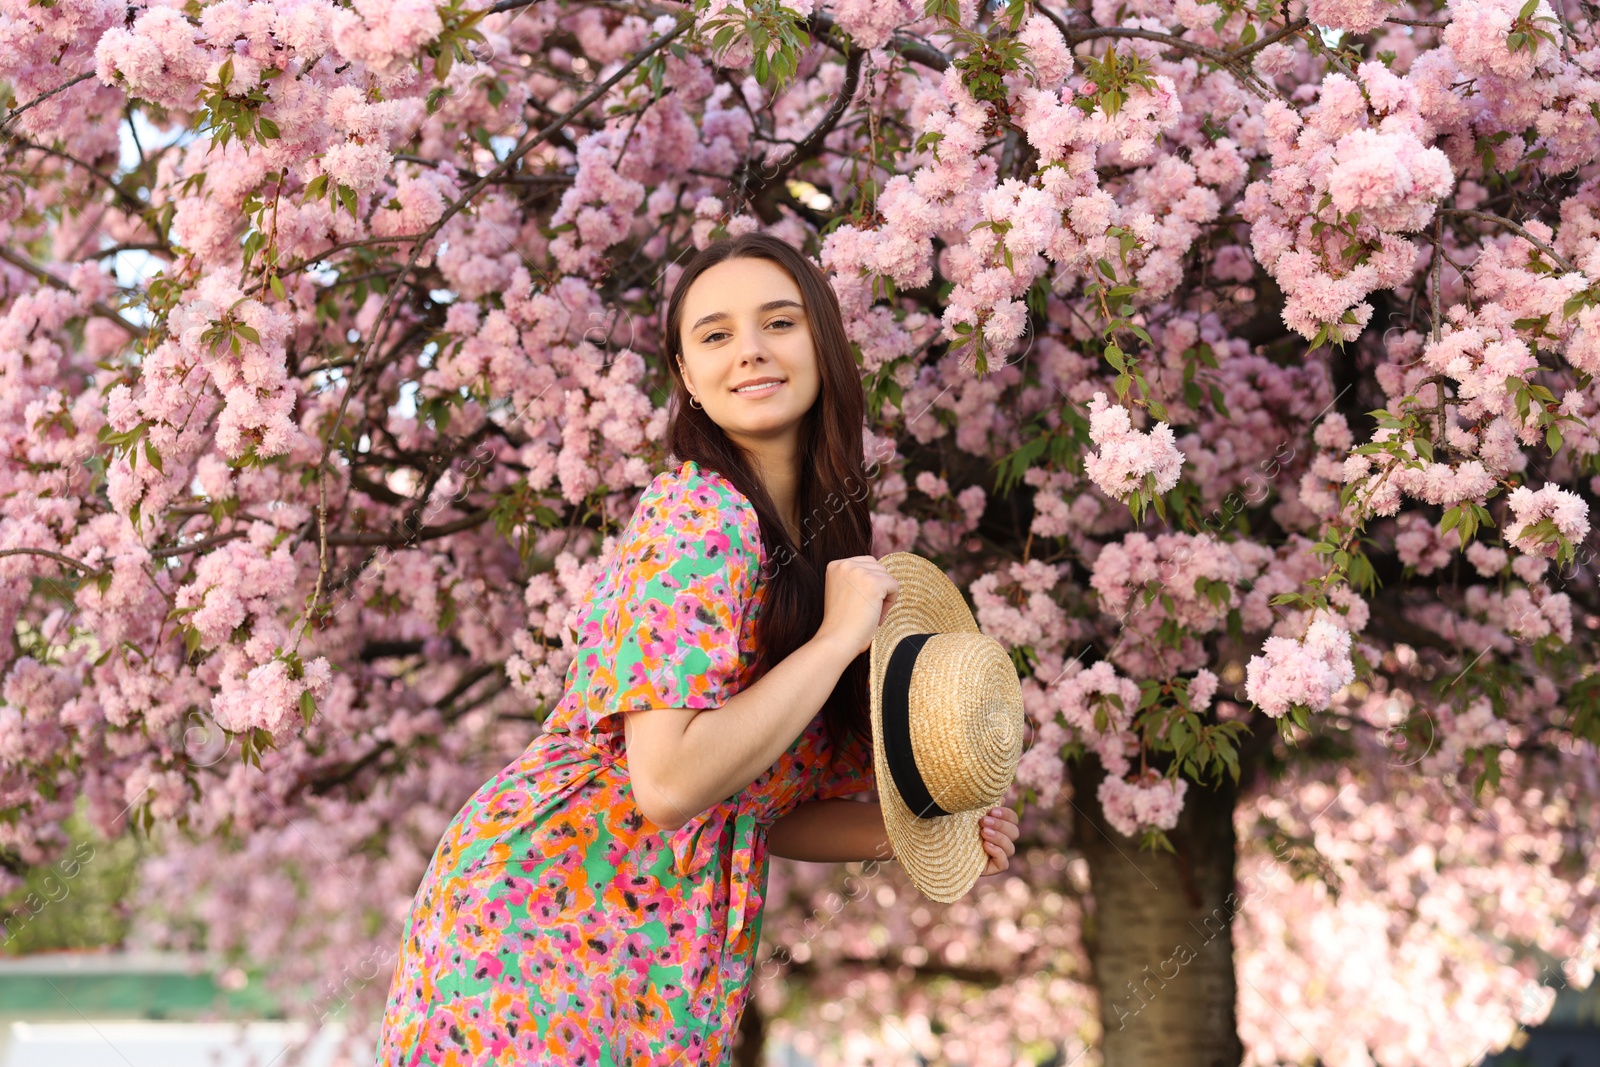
(669, 637)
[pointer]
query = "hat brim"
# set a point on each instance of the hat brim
(944, 855)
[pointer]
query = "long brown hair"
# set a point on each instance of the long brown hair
(835, 494)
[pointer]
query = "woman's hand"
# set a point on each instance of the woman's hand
(999, 830)
(858, 592)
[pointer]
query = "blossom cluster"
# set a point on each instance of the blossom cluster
(1128, 461)
(330, 363)
(1305, 673)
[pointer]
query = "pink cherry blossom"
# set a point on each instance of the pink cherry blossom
(325, 394)
(1568, 514)
(1127, 457)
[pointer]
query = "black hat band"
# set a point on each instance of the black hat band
(896, 719)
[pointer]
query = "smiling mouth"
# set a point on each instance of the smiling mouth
(760, 390)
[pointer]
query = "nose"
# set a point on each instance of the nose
(753, 346)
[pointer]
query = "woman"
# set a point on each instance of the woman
(599, 901)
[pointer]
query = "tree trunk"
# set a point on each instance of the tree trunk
(1161, 936)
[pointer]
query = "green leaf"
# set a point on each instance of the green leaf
(1552, 438)
(269, 129)
(308, 706)
(152, 455)
(1362, 574)
(347, 197)
(1217, 401)
(225, 73)
(276, 285)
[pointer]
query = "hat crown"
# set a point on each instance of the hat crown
(967, 738)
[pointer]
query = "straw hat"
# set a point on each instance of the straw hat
(946, 728)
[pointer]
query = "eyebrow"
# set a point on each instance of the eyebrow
(770, 305)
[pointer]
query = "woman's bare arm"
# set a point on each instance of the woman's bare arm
(836, 830)
(684, 760)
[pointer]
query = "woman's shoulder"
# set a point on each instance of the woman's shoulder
(705, 485)
(689, 498)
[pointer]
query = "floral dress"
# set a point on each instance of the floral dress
(555, 924)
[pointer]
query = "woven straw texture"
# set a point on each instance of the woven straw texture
(966, 717)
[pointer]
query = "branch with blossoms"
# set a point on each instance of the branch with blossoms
(1250, 350)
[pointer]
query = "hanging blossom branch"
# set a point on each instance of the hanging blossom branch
(379, 326)
(1095, 209)
(17, 113)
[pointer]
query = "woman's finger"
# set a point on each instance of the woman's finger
(1002, 836)
(989, 858)
(1000, 842)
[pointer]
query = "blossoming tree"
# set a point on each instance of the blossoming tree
(1237, 358)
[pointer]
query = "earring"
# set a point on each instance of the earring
(694, 402)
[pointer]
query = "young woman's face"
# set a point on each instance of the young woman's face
(743, 322)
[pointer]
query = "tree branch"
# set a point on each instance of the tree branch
(99, 307)
(343, 775)
(85, 76)
(128, 198)
(380, 324)
(811, 144)
(1232, 62)
(1501, 220)
(922, 54)
(197, 546)
(426, 533)
(1294, 27)
(58, 557)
